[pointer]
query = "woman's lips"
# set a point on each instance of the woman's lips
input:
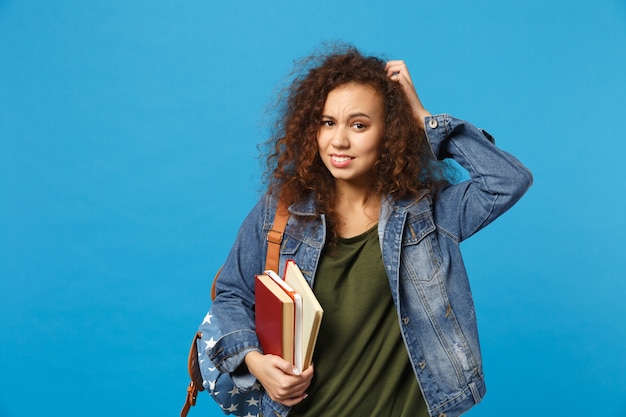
(340, 161)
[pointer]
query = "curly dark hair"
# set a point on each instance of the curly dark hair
(406, 165)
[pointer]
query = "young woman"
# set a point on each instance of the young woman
(375, 226)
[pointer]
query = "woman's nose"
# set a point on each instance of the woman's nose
(340, 139)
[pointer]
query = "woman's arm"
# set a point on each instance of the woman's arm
(497, 179)
(238, 351)
(233, 307)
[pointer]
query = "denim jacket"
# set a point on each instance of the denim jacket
(420, 249)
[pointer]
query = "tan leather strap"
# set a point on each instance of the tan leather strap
(195, 384)
(274, 239)
(214, 281)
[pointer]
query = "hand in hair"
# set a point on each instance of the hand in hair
(398, 71)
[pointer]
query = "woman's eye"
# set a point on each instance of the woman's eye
(328, 123)
(359, 126)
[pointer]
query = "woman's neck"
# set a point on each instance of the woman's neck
(357, 210)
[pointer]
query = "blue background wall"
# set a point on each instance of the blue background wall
(128, 159)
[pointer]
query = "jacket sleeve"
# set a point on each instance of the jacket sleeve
(497, 179)
(233, 306)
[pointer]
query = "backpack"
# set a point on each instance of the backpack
(202, 372)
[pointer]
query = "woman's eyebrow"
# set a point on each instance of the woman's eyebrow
(351, 116)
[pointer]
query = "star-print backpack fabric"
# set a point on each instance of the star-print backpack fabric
(220, 385)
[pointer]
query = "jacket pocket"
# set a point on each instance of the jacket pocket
(421, 253)
(289, 246)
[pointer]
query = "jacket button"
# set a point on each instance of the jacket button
(405, 320)
(433, 125)
(442, 415)
(422, 364)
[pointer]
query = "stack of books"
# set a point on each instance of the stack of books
(287, 315)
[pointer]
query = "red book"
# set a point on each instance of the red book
(274, 318)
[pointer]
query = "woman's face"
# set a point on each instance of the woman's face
(351, 130)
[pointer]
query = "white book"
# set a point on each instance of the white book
(312, 311)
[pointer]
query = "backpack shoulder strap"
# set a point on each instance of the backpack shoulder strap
(274, 239)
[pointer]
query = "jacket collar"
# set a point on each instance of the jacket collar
(307, 206)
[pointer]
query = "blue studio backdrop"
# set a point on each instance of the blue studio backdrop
(128, 159)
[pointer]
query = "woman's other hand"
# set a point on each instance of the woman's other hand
(282, 381)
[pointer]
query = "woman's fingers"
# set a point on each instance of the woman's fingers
(282, 381)
(398, 71)
(294, 390)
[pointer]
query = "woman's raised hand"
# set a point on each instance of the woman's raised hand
(398, 71)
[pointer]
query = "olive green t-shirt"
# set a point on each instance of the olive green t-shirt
(361, 364)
